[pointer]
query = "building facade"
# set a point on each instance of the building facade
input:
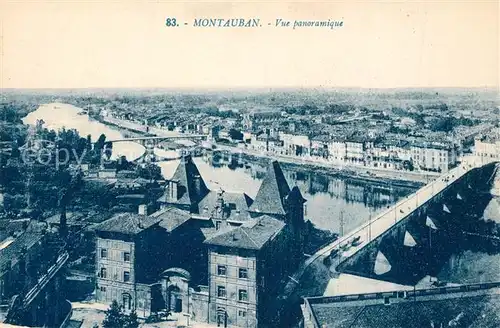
(433, 156)
(244, 248)
(487, 147)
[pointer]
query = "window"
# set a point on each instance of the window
(103, 289)
(126, 276)
(126, 256)
(242, 295)
(221, 291)
(242, 273)
(242, 313)
(103, 273)
(127, 301)
(104, 253)
(221, 270)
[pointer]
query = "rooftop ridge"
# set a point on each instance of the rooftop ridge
(272, 192)
(251, 239)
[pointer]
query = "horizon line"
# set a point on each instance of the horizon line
(250, 88)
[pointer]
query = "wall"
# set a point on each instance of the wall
(112, 287)
(199, 302)
(239, 313)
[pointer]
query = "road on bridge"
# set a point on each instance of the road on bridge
(381, 223)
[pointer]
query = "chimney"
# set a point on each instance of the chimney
(63, 226)
(172, 191)
(197, 184)
(143, 209)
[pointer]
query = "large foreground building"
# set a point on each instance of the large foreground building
(214, 256)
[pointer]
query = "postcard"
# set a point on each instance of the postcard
(249, 164)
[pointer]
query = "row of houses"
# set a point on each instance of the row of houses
(359, 150)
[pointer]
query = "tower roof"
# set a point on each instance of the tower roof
(295, 196)
(272, 192)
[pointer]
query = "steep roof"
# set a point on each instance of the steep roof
(237, 204)
(171, 218)
(295, 196)
(272, 192)
(186, 175)
(251, 235)
(30, 237)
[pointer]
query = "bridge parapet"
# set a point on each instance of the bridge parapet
(391, 216)
(408, 294)
(428, 225)
(161, 138)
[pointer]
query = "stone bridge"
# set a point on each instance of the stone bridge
(407, 241)
(427, 230)
(406, 230)
(150, 142)
(155, 140)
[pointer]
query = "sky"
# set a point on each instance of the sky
(125, 44)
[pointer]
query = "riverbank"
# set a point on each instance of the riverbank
(364, 174)
(360, 173)
(345, 174)
(131, 132)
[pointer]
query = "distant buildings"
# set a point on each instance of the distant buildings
(435, 156)
(359, 150)
(257, 118)
(215, 256)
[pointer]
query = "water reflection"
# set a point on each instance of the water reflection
(327, 196)
(57, 116)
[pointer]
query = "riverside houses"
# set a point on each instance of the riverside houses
(487, 146)
(212, 255)
(434, 156)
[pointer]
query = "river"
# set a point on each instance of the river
(333, 203)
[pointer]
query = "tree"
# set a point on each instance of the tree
(99, 145)
(15, 153)
(444, 124)
(131, 320)
(108, 149)
(70, 180)
(123, 163)
(149, 171)
(89, 142)
(114, 316)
